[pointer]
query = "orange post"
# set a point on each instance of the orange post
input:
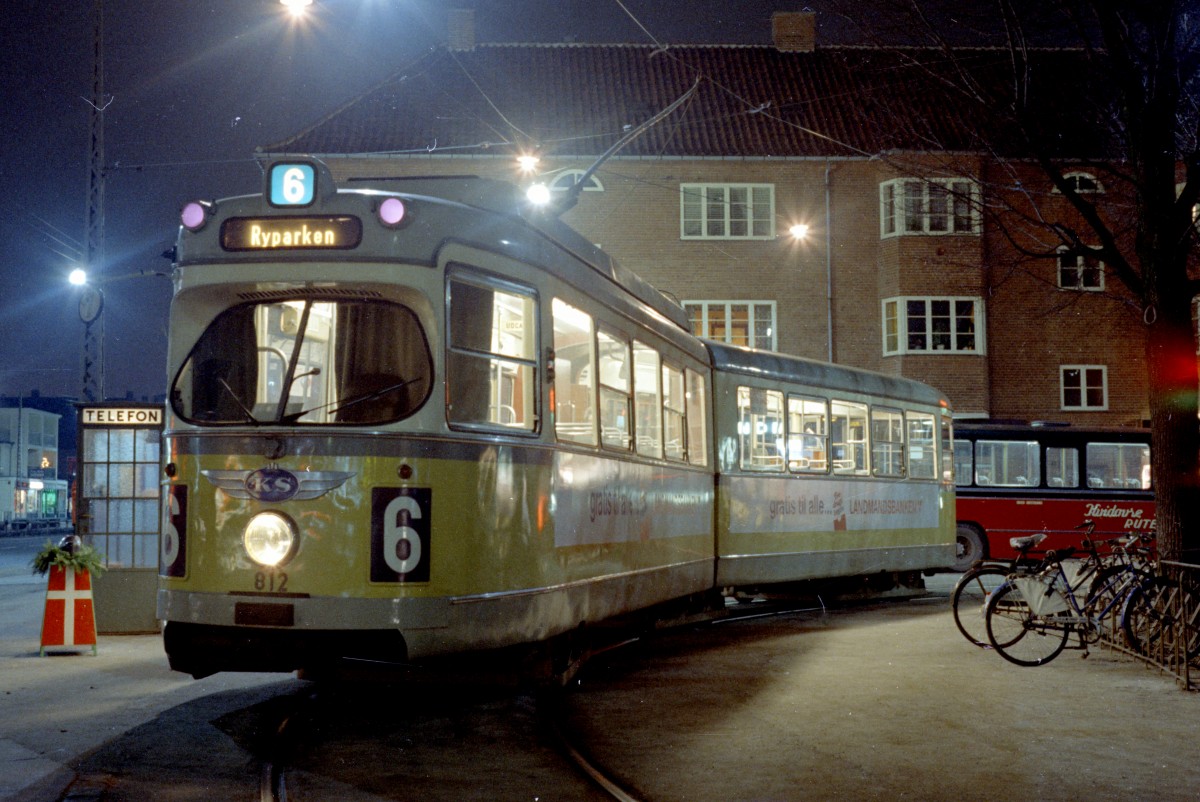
(70, 616)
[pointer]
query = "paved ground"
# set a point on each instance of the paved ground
(880, 702)
(886, 702)
(56, 708)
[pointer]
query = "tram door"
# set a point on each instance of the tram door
(119, 509)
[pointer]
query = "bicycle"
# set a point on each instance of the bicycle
(976, 585)
(1030, 617)
(1161, 618)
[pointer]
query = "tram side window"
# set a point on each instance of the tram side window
(1007, 463)
(760, 428)
(614, 391)
(848, 437)
(922, 446)
(1123, 466)
(697, 415)
(674, 444)
(574, 374)
(887, 441)
(1062, 467)
(949, 452)
(808, 435)
(647, 396)
(491, 356)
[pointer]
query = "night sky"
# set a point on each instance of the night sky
(191, 89)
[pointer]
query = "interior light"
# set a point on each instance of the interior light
(538, 194)
(194, 215)
(391, 211)
(78, 277)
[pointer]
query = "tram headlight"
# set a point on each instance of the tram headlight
(270, 539)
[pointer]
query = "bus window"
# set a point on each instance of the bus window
(922, 446)
(760, 426)
(1062, 467)
(647, 399)
(574, 370)
(673, 413)
(808, 434)
(491, 358)
(1118, 465)
(887, 441)
(1007, 463)
(614, 391)
(697, 415)
(964, 466)
(848, 438)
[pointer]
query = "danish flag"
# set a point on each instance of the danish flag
(70, 617)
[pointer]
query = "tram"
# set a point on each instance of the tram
(414, 417)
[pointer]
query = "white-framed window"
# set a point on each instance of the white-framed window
(1080, 269)
(1082, 183)
(748, 323)
(1083, 387)
(569, 178)
(727, 211)
(574, 374)
(928, 206)
(919, 325)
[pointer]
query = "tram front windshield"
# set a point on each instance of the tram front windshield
(306, 361)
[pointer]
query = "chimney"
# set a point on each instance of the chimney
(794, 31)
(462, 29)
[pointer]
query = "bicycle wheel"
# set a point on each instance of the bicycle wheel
(1106, 591)
(1161, 617)
(1018, 634)
(969, 598)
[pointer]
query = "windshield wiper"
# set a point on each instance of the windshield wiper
(338, 406)
(237, 400)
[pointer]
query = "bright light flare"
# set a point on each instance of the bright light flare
(799, 231)
(538, 194)
(78, 277)
(527, 162)
(298, 8)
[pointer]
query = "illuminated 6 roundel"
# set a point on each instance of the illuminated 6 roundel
(292, 184)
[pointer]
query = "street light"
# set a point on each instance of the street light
(91, 304)
(297, 7)
(91, 308)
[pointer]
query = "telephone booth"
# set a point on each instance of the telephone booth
(118, 509)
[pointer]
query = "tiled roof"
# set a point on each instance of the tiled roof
(577, 100)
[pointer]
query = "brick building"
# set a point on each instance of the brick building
(931, 250)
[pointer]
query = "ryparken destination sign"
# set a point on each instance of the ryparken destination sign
(310, 232)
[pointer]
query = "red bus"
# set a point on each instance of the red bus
(1020, 478)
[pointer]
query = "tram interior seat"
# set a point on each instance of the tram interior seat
(392, 401)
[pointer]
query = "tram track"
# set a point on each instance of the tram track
(296, 729)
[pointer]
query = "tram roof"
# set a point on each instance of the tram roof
(506, 199)
(785, 368)
(551, 243)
